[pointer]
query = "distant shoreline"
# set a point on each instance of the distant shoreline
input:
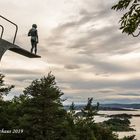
(110, 107)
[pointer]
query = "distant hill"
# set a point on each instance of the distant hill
(114, 106)
(123, 106)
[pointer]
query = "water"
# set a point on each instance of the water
(135, 122)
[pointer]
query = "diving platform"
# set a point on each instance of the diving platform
(5, 45)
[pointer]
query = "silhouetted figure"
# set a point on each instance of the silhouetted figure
(34, 38)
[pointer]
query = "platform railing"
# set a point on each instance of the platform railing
(1, 31)
(14, 25)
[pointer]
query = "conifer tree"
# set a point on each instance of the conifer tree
(44, 113)
(4, 90)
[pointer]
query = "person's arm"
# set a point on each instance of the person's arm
(29, 33)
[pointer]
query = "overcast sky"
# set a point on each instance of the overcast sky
(80, 42)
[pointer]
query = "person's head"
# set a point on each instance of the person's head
(34, 25)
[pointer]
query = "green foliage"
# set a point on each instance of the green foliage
(103, 133)
(117, 124)
(121, 116)
(130, 21)
(4, 90)
(44, 110)
(5, 112)
(129, 138)
(89, 110)
(83, 126)
(41, 115)
(98, 105)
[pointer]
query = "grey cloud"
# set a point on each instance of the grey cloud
(104, 67)
(55, 43)
(59, 32)
(85, 17)
(24, 78)
(106, 91)
(124, 100)
(110, 67)
(109, 41)
(111, 34)
(66, 25)
(94, 15)
(20, 72)
(72, 66)
(118, 43)
(130, 94)
(99, 84)
(88, 42)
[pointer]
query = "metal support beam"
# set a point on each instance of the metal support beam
(14, 25)
(2, 31)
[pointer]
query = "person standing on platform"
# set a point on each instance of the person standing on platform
(34, 38)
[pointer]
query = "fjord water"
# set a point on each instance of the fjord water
(135, 122)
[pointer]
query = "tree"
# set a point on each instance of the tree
(89, 111)
(43, 111)
(71, 116)
(98, 105)
(4, 90)
(85, 124)
(130, 21)
(5, 121)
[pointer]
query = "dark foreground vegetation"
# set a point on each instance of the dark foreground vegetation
(38, 114)
(119, 122)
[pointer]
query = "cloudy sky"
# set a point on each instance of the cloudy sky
(80, 42)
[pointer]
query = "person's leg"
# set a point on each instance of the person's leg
(35, 47)
(32, 43)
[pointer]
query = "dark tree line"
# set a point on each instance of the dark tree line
(38, 114)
